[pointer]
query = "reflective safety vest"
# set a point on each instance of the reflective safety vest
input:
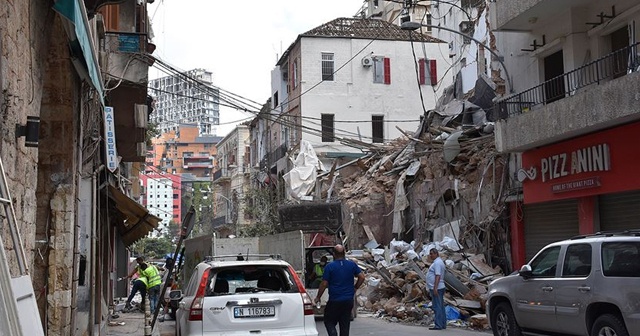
(153, 276)
(143, 279)
(319, 270)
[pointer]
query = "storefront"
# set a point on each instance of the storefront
(579, 186)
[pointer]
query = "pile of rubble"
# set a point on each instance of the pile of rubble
(395, 285)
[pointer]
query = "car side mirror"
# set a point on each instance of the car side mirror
(175, 294)
(525, 272)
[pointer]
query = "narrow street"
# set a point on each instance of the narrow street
(366, 324)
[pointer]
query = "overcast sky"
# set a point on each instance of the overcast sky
(239, 41)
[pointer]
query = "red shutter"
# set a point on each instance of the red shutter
(434, 72)
(421, 67)
(387, 70)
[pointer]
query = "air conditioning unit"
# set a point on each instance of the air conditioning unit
(367, 61)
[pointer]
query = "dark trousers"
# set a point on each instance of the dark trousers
(138, 286)
(338, 312)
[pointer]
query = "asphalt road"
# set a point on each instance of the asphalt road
(366, 324)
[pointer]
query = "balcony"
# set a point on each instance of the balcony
(221, 175)
(521, 15)
(196, 156)
(277, 154)
(598, 95)
(127, 51)
(188, 165)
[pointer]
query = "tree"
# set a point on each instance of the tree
(153, 248)
(261, 205)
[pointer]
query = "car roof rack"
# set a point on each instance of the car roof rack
(632, 232)
(244, 257)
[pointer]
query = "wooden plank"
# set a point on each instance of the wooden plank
(367, 230)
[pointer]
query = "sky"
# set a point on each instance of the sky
(238, 41)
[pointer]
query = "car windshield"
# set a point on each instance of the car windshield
(250, 279)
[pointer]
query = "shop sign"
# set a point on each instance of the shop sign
(598, 163)
(110, 139)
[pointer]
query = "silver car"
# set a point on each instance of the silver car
(587, 285)
(245, 297)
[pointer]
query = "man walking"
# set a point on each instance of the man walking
(435, 283)
(338, 277)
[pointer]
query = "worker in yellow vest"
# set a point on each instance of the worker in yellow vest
(154, 280)
(318, 271)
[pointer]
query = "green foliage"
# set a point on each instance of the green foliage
(151, 132)
(153, 248)
(202, 201)
(262, 207)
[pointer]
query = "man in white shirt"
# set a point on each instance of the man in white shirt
(435, 283)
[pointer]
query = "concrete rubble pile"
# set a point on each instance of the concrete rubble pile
(441, 186)
(395, 285)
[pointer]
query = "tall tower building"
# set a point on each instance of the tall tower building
(179, 100)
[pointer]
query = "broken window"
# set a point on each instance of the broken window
(377, 129)
(328, 134)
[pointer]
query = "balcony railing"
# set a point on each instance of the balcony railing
(280, 152)
(613, 65)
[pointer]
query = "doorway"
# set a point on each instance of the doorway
(619, 43)
(554, 88)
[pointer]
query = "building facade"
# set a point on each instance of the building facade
(184, 151)
(353, 79)
(572, 119)
(231, 180)
(186, 99)
(162, 195)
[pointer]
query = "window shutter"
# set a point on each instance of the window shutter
(433, 72)
(387, 70)
(422, 68)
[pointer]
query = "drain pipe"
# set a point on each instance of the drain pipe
(94, 259)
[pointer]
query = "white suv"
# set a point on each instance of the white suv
(587, 285)
(244, 297)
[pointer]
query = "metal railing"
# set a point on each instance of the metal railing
(280, 152)
(613, 65)
(220, 173)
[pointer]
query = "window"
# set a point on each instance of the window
(295, 74)
(327, 66)
(381, 70)
(428, 72)
(621, 259)
(544, 264)
(328, 134)
(275, 99)
(377, 129)
(429, 22)
(577, 261)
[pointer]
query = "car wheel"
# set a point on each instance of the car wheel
(503, 322)
(609, 325)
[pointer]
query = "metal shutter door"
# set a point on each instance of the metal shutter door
(549, 222)
(620, 211)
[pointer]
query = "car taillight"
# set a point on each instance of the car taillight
(308, 304)
(195, 312)
(306, 299)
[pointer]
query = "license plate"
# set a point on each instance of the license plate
(243, 312)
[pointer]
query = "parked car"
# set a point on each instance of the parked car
(587, 285)
(250, 296)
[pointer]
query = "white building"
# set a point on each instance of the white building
(180, 101)
(354, 79)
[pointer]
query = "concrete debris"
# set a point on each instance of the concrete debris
(395, 286)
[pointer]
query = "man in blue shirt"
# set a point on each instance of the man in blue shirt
(435, 283)
(338, 277)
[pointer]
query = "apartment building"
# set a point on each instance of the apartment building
(188, 98)
(572, 120)
(184, 151)
(352, 79)
(162, 195)
(231, 180)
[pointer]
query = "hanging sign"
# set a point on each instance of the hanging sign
(110, 139)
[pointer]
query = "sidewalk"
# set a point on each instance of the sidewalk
(133, 324)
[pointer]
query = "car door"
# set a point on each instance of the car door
(534, 295)
(573, 289)
(187, 297)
